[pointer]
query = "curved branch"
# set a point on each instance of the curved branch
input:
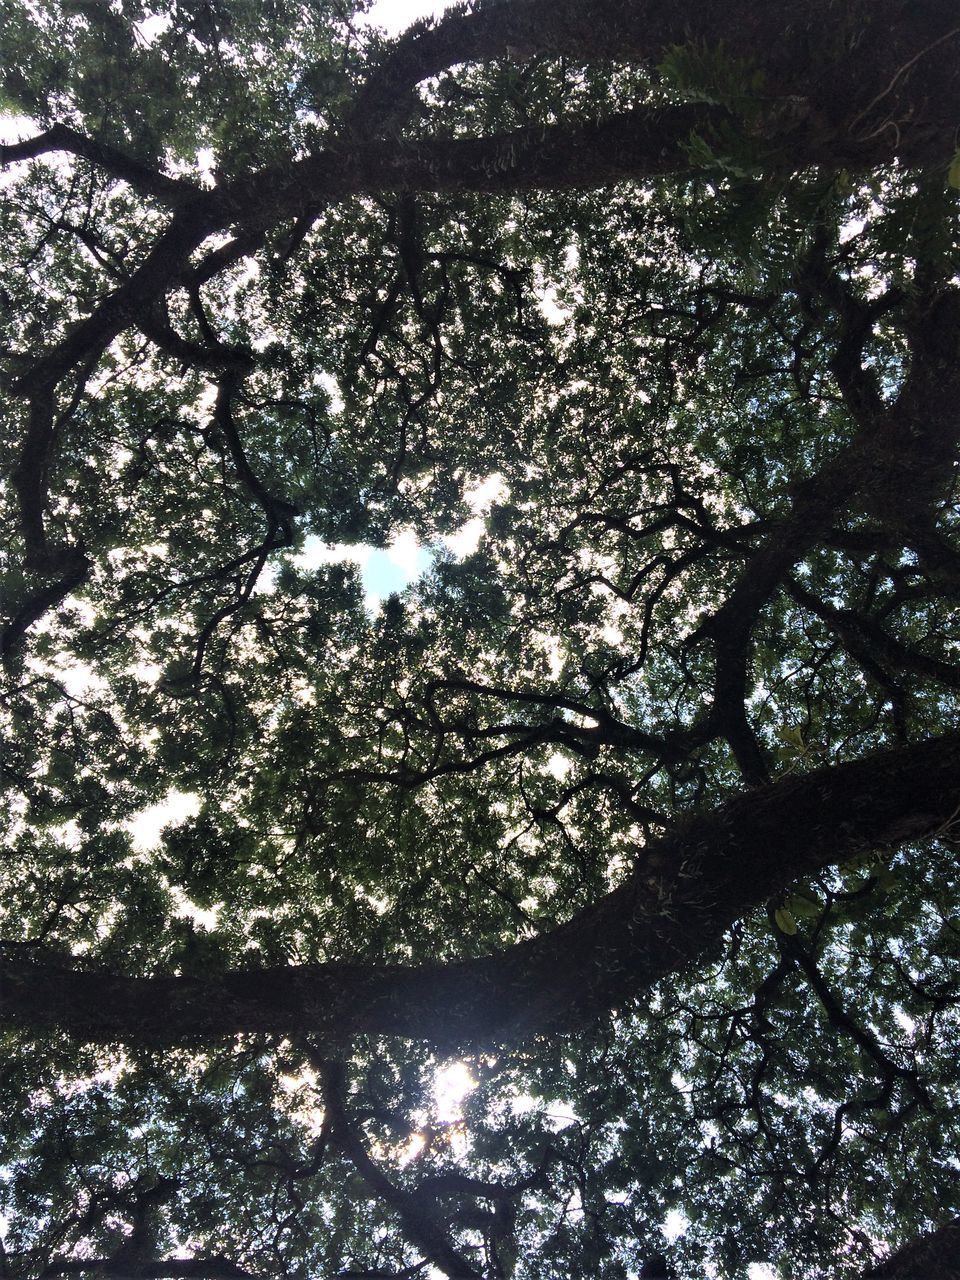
(898, 464)
(608, 730)
(690, 887)
(836, 93)
(212, 1268)
(867, 642)
(418, 1223)
(148, 181)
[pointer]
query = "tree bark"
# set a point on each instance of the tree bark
(687, 889)
(212, 1268)
(935, 1256)
(850, 68)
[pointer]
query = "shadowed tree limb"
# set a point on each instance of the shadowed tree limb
(899, 462)
(142, 177)
(848, 76)
(934, 1256)
(213, 1268)
(418, 1223)
(689, 887)
(867, 642)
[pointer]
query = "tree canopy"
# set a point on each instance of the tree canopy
(590, 907)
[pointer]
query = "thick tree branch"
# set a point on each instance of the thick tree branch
(212, 1268)
(608, 730)
(687, 890)
(868, 643)
(846, 74)
(934, 1256)
(137, 297)
(142, 177)
(898, 465)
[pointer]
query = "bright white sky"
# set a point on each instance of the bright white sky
(384, 572)
(395, 16)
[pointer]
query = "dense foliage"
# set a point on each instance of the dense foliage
(590, 908)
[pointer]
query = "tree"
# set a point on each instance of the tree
(643, 811)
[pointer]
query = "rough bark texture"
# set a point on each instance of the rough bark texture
(935, 1256)
(849, 69)
(686, 890)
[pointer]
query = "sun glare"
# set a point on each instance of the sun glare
(451, 1084)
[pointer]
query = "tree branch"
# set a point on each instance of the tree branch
(148, 181)
(689, 887)
(212, 1268)
(418, 1223)
(931, 1257)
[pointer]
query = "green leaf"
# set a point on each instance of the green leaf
(792, 735)
(886, 879)
(803, 906)
(785, 921)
